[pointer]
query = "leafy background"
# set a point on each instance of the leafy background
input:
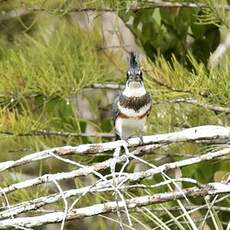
(47, 60)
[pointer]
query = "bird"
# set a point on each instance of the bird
(132, 106)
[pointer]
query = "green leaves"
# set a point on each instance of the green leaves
(174, 31)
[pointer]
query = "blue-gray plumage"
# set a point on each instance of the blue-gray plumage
(131, 108)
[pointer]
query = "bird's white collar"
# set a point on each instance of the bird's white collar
(133, 90)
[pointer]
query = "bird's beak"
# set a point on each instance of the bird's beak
(135, 81)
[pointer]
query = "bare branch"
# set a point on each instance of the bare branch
(128, 177)
(58, 133)
(104, 186)
(108, 207)
(214, 108)
(210, 133)
(106, 86)
(84, 171)
(217, 208)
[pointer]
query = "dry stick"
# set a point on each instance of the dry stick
(116, 154)
(178, 164)
(102, 186)
(188, 208)
(89, 169)
(209, 133)
(209, 212)
(65, 203)
(128, 177)
(82, 171)
(103, 178)
(106, 164)
(170, 222)
(214, 108)
(106, 86)
(58, 133)
(108, 207)
(98, 187)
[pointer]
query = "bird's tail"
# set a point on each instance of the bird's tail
(117, 137)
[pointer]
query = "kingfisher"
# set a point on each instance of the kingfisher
(131, 108)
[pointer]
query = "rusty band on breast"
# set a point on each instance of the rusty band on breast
(122, 115)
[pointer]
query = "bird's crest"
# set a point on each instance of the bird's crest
(133, 61)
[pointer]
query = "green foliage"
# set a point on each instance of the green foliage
(210, 86)
(173, 31)
(46, 61)
(64, 64)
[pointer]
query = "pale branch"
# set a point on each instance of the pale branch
(207, 133)
(109, 207)
(112, 86)
(65, 204)
(99, 48)
(214, 108)
(178, 164)
(58, 133)
(128, 177)
(49, 178)
(188, 208)
(104, 186)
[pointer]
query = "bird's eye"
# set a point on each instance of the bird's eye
(128, 74)
(140, 75)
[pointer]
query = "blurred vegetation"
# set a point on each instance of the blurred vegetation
(47, 60)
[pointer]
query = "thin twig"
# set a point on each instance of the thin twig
(96, 188)
(65, 203)
(82, 171)
(108, 207)
(58, 133)
(133, 177)
(214, 108)
(106, 86)
(170, 222)
(188, 208)
(207, 133)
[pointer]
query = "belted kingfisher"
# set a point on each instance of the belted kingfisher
(132, 107)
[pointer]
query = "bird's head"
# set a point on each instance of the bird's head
(134, 73)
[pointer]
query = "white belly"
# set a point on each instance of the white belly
(129, 127)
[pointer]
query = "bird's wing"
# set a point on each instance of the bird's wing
(115, 110)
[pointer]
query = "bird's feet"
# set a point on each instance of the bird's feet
(141, 142)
